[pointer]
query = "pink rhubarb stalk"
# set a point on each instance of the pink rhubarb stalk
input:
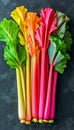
(53, 102)
(47, 26)
(43, 84)
(38, 74)
(49, 94)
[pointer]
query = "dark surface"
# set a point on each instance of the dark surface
(64, 119)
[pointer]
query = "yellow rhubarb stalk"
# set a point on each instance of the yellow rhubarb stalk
(21, 112)
(19, 15)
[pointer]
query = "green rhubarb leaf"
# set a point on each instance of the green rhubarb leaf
(11, 57)
(59, 55)
(15, 56)
(8, 31)
(60, 44)
(62, 30)
(61, 25)
(61, 66)
(62, 18)
(21, 54)
(60, 61)
(68, 39)
(14, 53)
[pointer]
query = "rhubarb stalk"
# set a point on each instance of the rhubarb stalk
(53, 100)
(43, 83)
(32, 22)
(63, 33)
(49, 94)
(21, 107)
(47, 26)
(23, 86)
(28, 90)
(57, 59)
(14, 58)
(19, 15)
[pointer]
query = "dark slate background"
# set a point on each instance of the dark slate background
(64, 119)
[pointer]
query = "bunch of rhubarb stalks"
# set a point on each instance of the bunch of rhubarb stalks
(38, 48)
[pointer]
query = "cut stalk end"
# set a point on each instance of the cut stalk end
(22, 121)
(51, 121)
(46, 121)
(35, 120)
(28, 122)
(40, 121)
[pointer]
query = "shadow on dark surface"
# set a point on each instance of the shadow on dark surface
(64, 119)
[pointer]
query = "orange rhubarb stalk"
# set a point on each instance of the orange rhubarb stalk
(32, 23)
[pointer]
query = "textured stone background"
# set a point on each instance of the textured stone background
(64, 119)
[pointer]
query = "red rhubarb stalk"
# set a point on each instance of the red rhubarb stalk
(53, 102)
